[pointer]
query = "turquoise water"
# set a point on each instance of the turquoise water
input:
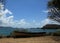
(42, 30)
(7, 31)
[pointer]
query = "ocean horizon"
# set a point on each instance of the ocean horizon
(7, 31)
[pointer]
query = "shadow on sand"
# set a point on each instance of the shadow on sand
(56, 38)
(21, 36)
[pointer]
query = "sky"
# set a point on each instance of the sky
(27, 9)
(25, 13)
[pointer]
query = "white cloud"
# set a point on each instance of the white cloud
(22, 23)
(4, 19)
(46, 11)
(44, 22)
(7, 11)
(48, 21)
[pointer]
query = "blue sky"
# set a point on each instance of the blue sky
(25, 13)
(27, 9)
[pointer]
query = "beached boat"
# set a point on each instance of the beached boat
(27, 34)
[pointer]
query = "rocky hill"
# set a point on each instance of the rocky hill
(51, 26)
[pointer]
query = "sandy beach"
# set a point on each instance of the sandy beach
(41, 39)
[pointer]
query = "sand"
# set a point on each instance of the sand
(41, 39)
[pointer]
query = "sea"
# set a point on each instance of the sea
(6, 31)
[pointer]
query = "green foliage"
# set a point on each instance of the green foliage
(54, 6)
(57, 33)
(54, 3)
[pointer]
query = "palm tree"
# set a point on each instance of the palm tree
(54, 10)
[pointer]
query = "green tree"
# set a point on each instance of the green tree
(54, 10)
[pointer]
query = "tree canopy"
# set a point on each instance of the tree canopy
(54, 10)
(54, 3)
